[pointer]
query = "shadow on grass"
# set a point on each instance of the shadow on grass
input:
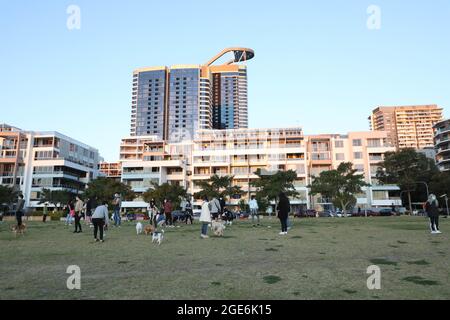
(271, 279)
(419, 262)
(349, 291)
(271, 249)
(383, 261)
(421, 281)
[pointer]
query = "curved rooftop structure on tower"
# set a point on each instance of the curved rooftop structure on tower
(240, 55)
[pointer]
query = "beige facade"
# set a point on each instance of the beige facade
(240, 152)
(407, 126)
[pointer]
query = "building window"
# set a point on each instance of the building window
(357, 155)
(339, 144)
(357, 142)
(340, 156)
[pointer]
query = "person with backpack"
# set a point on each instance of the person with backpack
(117, 206)
(189, 213)
(215, 208)
(432, 210)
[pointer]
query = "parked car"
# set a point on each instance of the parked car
(310, 213)
(385, 212)
(196, 210)
(327, 214)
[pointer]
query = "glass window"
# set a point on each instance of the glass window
(357, 142)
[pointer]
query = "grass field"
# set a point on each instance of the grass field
(323, 258)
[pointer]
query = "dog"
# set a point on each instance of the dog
(139, 228)
(217, 227)
(158, 237)
(149, 229)
(19, 229)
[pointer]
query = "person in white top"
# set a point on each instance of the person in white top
(253, 204)
(205, 218)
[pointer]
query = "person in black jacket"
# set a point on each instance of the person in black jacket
(283, 209)
(432, 210)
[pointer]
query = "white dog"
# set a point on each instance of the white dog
(139, 228)
(158, 237)
(217, 227)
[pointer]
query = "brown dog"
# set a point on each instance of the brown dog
(19, 229)
(149, 229)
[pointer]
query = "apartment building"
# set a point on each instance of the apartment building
(112, 170)
(442, 144)
(240, 152)
(407, 126)
(174, 102)
(31, 161)
(365, 150)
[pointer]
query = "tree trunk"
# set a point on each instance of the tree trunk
(410, 204)
(344, 212)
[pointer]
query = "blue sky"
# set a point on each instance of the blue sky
(316, 63)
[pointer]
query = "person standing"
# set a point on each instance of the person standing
(253, 204)
(152, 212)
(222, 205)
(19, 209)
(168, 212)
(78, 212)
(283, 209)
(432, 210)
(215, 208)
(117, 206)
(45, 212)
(100, 219)
(205, 218)
(189, 212)
(270, 210)
(90, 205)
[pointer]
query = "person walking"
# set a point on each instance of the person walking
(215, 208)
(253, 204)
(117, 206)
(283, 209)
(19, 209)
(78, 212)
(45, 212)
(168, 212)
(205, 218)
(69, 208)
(432, 210)
(100, 219)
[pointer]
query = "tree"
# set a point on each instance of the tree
(55, 197)
(440, 185)
(407, 169)
(104, 189)
(270, 185)
(172, 192)
(218, 187)
(339, 185)
(7, 195)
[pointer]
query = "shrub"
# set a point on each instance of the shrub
(56, 216)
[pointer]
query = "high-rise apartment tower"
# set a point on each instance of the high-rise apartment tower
(174, 102)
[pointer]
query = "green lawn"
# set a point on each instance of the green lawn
(323, 258)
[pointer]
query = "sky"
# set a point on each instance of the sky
(317, 63)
